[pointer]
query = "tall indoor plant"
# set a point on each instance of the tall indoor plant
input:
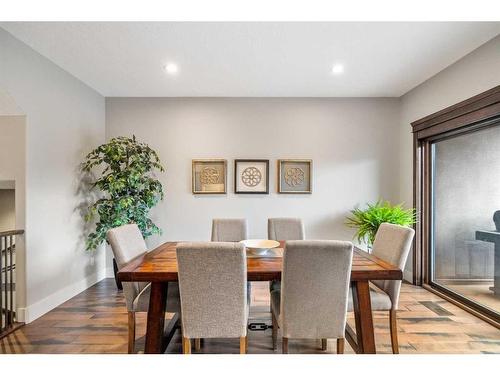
(366, 221)
(129, 189)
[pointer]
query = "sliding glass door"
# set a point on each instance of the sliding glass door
(464, 206)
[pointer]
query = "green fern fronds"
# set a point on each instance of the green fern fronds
(367, 221)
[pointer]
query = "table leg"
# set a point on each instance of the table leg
(363, 316)
(496, 270)
(156, 317)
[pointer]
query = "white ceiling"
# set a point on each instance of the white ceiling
(253, 59)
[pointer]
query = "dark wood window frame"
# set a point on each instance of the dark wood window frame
(470, 115)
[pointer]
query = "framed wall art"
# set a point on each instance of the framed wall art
(295, 176)
(209, 176)
(251, 176)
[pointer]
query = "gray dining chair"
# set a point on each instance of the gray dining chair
(229, 230)
(284, 229)
(392, 244)
(213, 289)
(127, 243)
(312, 303)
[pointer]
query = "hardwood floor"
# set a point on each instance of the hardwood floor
(95, 321)
(476, 291)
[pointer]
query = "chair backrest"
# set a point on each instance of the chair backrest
(392, 244)
(314, 288)
(229, 230)
(285, 229)
(213, 289)
(127, 243)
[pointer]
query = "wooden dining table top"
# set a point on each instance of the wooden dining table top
(160, 265)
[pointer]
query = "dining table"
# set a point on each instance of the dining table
(159, 267)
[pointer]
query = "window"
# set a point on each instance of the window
(465, 197)
(457, 197)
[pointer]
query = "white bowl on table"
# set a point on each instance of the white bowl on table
(259, 247)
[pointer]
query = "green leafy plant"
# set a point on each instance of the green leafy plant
(367, 221)
(128, 187)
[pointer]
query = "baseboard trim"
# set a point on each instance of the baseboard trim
(110, 273)
(408, 276)
(36, 310)
(21, 314)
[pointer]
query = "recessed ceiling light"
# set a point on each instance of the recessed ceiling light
(171, 68)
(337, 69)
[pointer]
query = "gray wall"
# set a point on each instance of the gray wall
(65, 119)
(13, 176)
(469, 76)
(467, 193)
(353, 144)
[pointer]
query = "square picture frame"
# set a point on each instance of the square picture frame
(251, 176)
(209, 176)
(295, 176)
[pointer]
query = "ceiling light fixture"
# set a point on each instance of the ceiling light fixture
(337, 69)
(171, 68)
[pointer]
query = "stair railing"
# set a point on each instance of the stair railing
(8, 280)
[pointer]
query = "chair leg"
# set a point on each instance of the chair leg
(197, 344)
(284, 346)
(340, 346)
(275, 332)
(324, 344)
(131, 332)
(243, 345)
(394, 331)
(270, 307)
(186, 345)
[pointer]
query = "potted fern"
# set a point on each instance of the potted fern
(366, 221)
(128, 188)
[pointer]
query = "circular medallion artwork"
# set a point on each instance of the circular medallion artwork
(209, 175)
(251, 176)
(294, 176)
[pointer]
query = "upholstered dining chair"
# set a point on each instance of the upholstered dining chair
(213, 289)
(312, 303)
(392, 243)
(283, 229)
(229, 230)
(127, 243)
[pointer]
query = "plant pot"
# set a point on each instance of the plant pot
(115, 271)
